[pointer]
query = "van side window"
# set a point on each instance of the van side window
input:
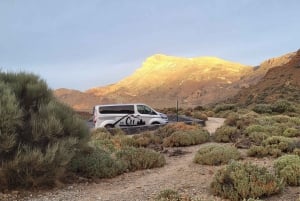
(117, 109)
(142, 109)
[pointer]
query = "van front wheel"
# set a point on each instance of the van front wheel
(155, 123)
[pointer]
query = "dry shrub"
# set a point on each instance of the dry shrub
(146, 138)
(169, 129)
(121, 141)
(238, 181)
(288, 168)
(200, 115)
(232, 119)
(215, 154)
(140, 158)
(296, 151)
(186, 138)
(168, 195)
(226, 134)
(100, 134)
(246, 119)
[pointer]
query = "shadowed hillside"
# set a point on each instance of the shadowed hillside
(280, 82)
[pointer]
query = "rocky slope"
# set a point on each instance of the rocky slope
(280, 82)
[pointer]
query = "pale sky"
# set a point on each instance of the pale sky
(82, 44)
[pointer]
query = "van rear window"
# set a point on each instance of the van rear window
(117, 109)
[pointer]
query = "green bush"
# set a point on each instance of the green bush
(96, 163)
(255, 128)
(226, 134)
(38, 135)
(10, 121)
(284, 144)
(291, 132)
(258, 137)
(274, 146)
(257, 151)
(215, 154)
(186, 138)
(239, 181)
(140, 158)
(288, 168)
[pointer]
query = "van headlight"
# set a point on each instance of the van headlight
(163, 116)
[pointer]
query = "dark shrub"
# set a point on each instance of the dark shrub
(96, 163)
(262, 108)
(282, 106)
(239, 181)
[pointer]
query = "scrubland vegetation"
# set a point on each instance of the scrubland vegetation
(42, 141)
(264, 130)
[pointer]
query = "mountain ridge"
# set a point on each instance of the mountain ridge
(163, 79)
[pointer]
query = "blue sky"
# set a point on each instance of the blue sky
(81, 44)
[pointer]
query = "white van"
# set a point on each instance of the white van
(120, 115)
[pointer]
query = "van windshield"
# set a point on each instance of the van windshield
(117, 109)
(143, 109)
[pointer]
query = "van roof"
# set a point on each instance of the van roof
(121, 104)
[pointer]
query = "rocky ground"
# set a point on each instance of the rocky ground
(180, 173)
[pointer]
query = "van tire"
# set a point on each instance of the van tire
(155, 123)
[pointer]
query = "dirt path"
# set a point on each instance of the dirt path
(180, 173)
